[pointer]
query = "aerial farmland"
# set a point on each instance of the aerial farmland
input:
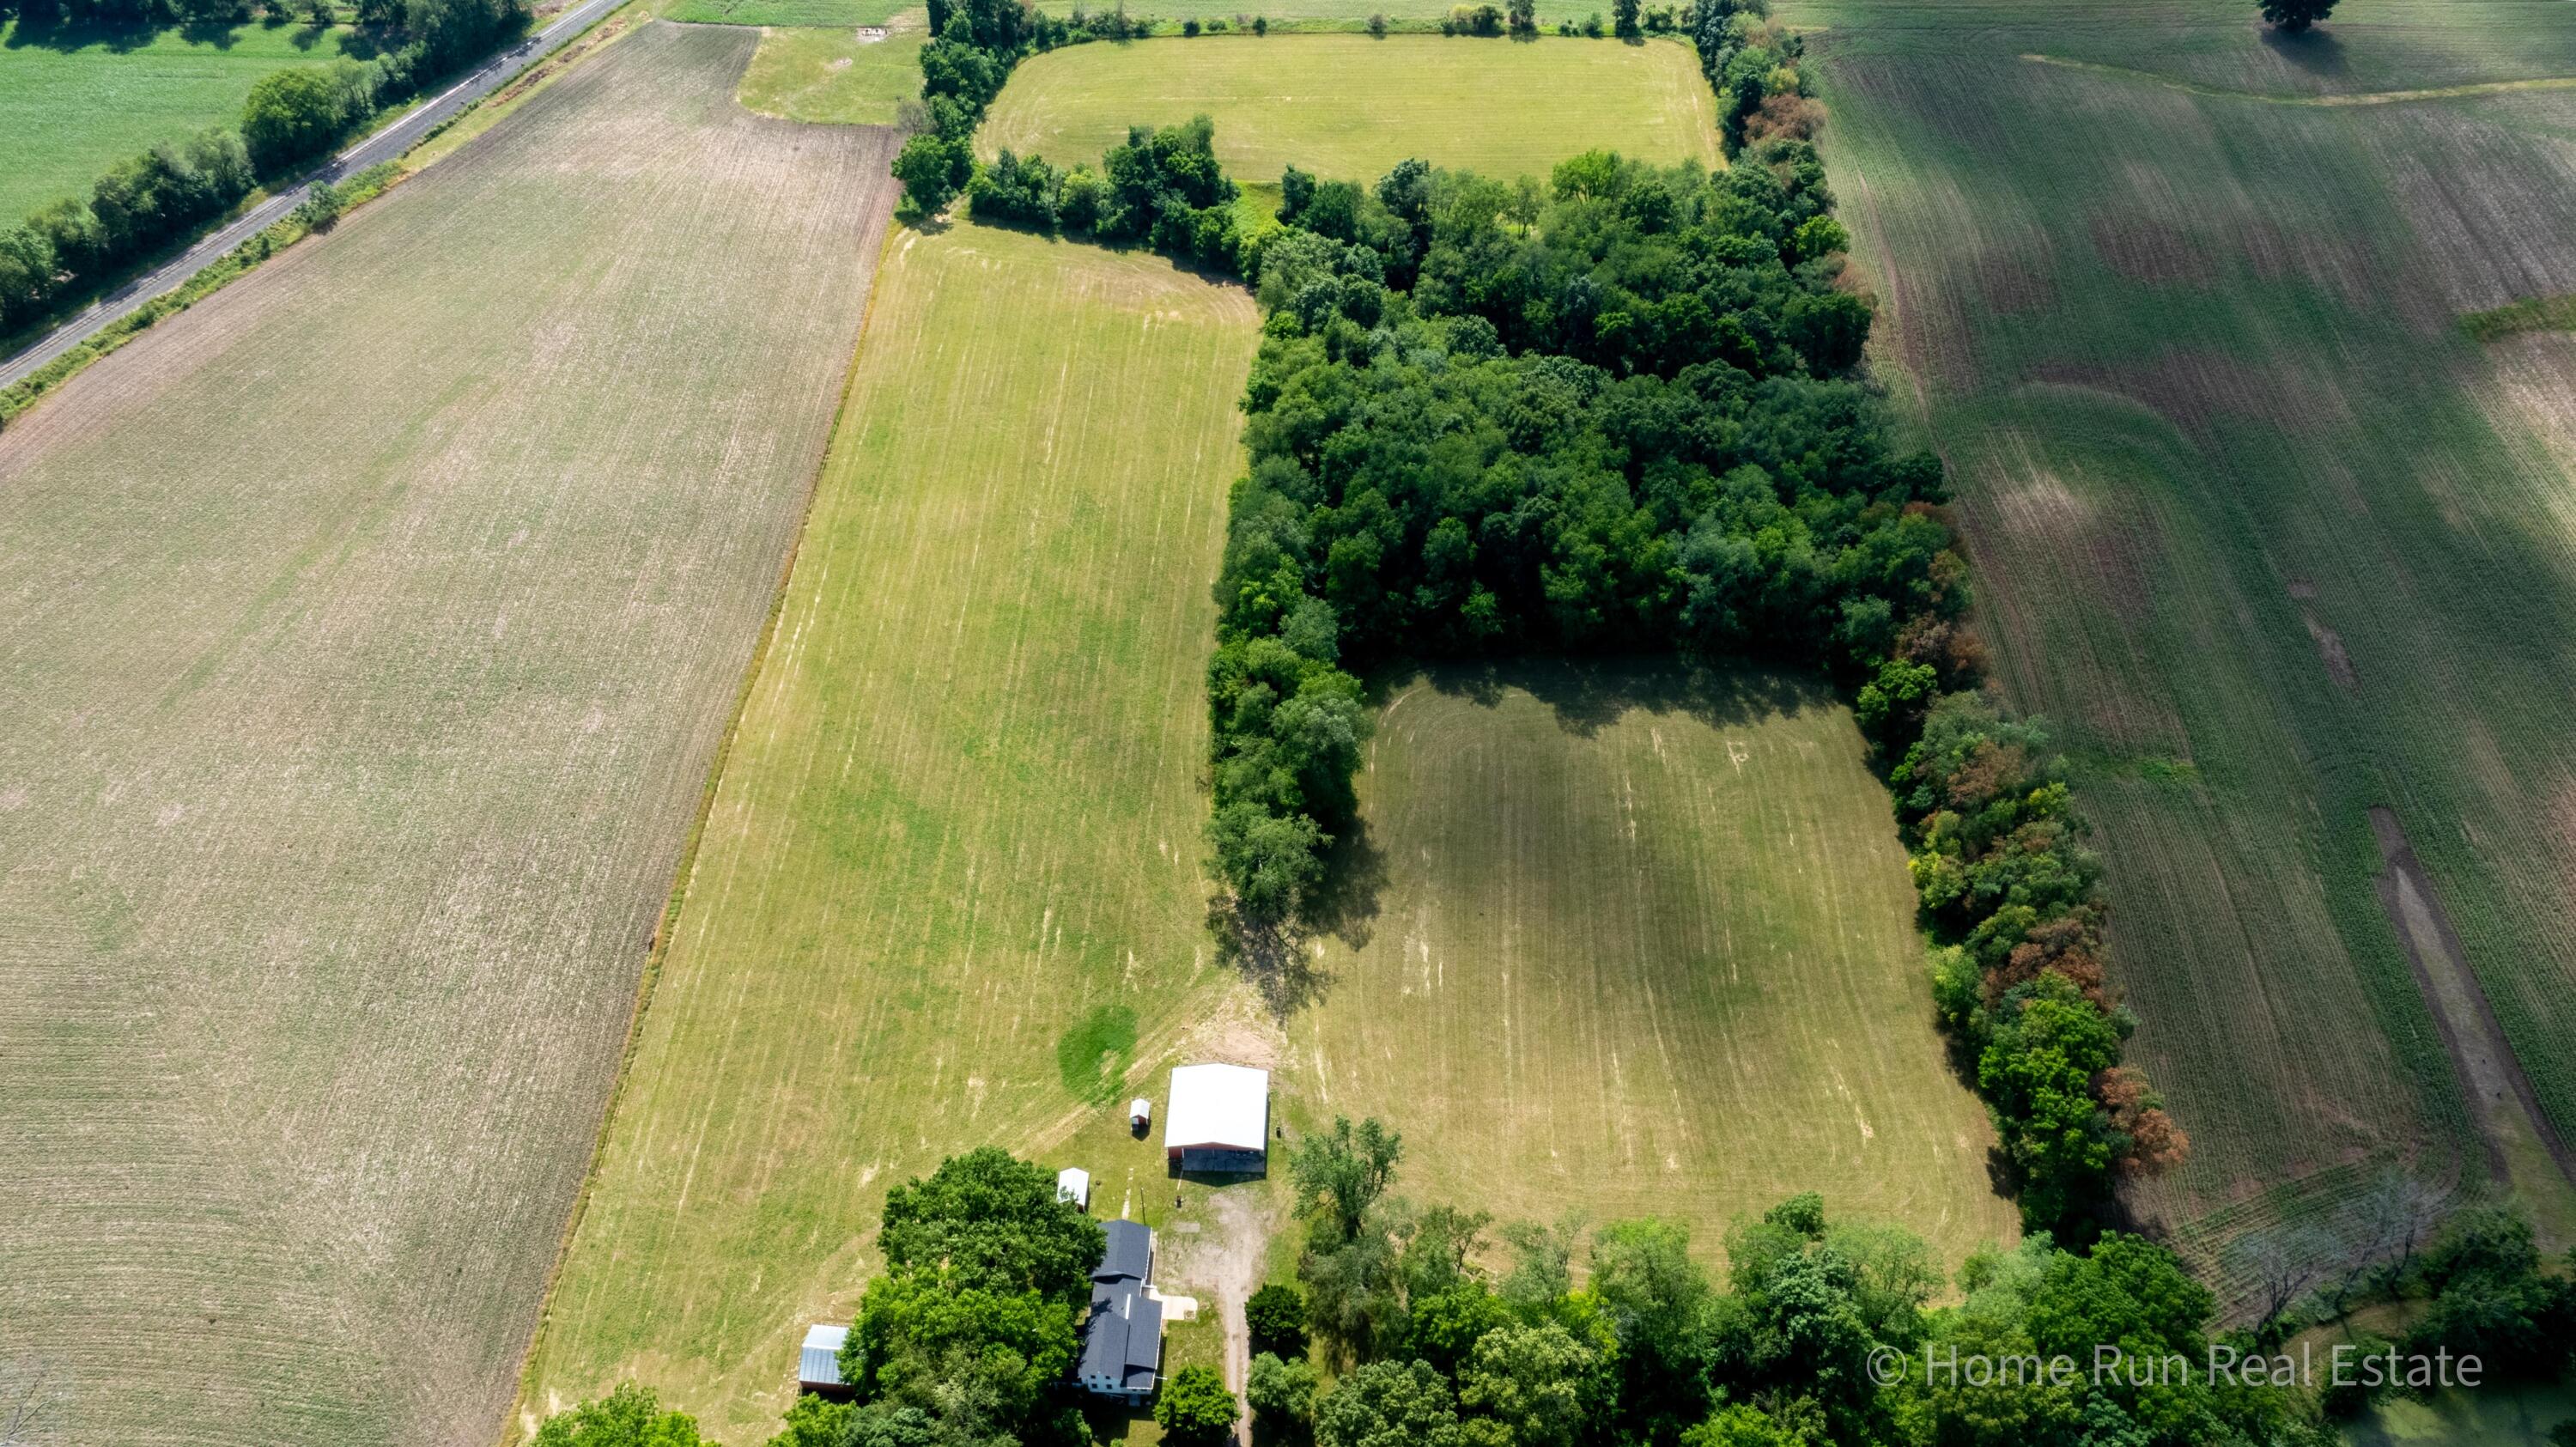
(1777, 692)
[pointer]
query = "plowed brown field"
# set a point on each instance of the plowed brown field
(370, 630)
(2262, 529)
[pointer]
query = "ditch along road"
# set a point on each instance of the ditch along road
(403, 134)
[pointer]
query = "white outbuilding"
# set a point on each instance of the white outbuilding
(818, 1361)
(1073, 1183)
(1219, 1119)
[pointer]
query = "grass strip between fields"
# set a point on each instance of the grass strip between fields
(2329, 102)
(2534, 314)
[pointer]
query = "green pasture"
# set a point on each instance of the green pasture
(1350, 107)
(2260, 527)
(785, 13)
(1640, 942)
(74, 102)
(831, 75)
(949, 890)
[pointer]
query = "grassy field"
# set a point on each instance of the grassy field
(834, 77)
(1351, 107)
(1642, 943)
(359, 700)
(846, 14)
(2270, 537)
(961, 815)
(74, 102)
(1305, 14)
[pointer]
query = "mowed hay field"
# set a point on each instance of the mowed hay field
(76, 100)
(960, 816)
(373, 625)
(1641, 942)
(2265, 534)
(831, 75)
(1349, 107)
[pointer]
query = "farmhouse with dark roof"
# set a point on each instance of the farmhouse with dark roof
(1122, 1341)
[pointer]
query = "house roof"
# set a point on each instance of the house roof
(1224, 1107)
(1129, 1255)
(818, 1364)
(1122, 1343)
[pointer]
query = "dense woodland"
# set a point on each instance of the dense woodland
(145, 203)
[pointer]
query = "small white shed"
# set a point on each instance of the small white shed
(1140, 1112)
(818, 1362)
(1073, 1183)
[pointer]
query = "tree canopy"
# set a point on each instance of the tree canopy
(972, 1327)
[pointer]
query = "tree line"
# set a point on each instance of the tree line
(1429, 1326)
(143, 203)
(1162, 188)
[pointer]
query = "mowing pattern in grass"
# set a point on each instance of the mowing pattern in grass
(2266, 533)
(832, 76)
(373, 627)
(960, 817)
(1351, 107)
(1642, 944)
(74, 102)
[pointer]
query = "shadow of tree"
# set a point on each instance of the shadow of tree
(1588, 695)
(2317, 52)
(1278, 957)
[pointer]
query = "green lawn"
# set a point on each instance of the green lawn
(73, 103)
(2259, 526)
(791, 13)
(1350, 107)
(961, 816)
(832, 76)
(375, 622)
(1639, 943)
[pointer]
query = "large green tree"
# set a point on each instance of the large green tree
(2296, 15)
(989, 1221)
(630, 1416)
(1194, 1407)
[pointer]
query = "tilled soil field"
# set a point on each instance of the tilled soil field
(372, 627)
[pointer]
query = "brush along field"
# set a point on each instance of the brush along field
(1641, 942)
(373, 626)
(958, 826)
(1349, 107)
(2269, 537)
(76, 100)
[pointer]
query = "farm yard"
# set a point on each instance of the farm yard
(360, 700)
(1641, 943)
(2270, 538)
(1349, 107)
(74, 101)
(954, 851)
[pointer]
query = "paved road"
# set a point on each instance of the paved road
(384, 145)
